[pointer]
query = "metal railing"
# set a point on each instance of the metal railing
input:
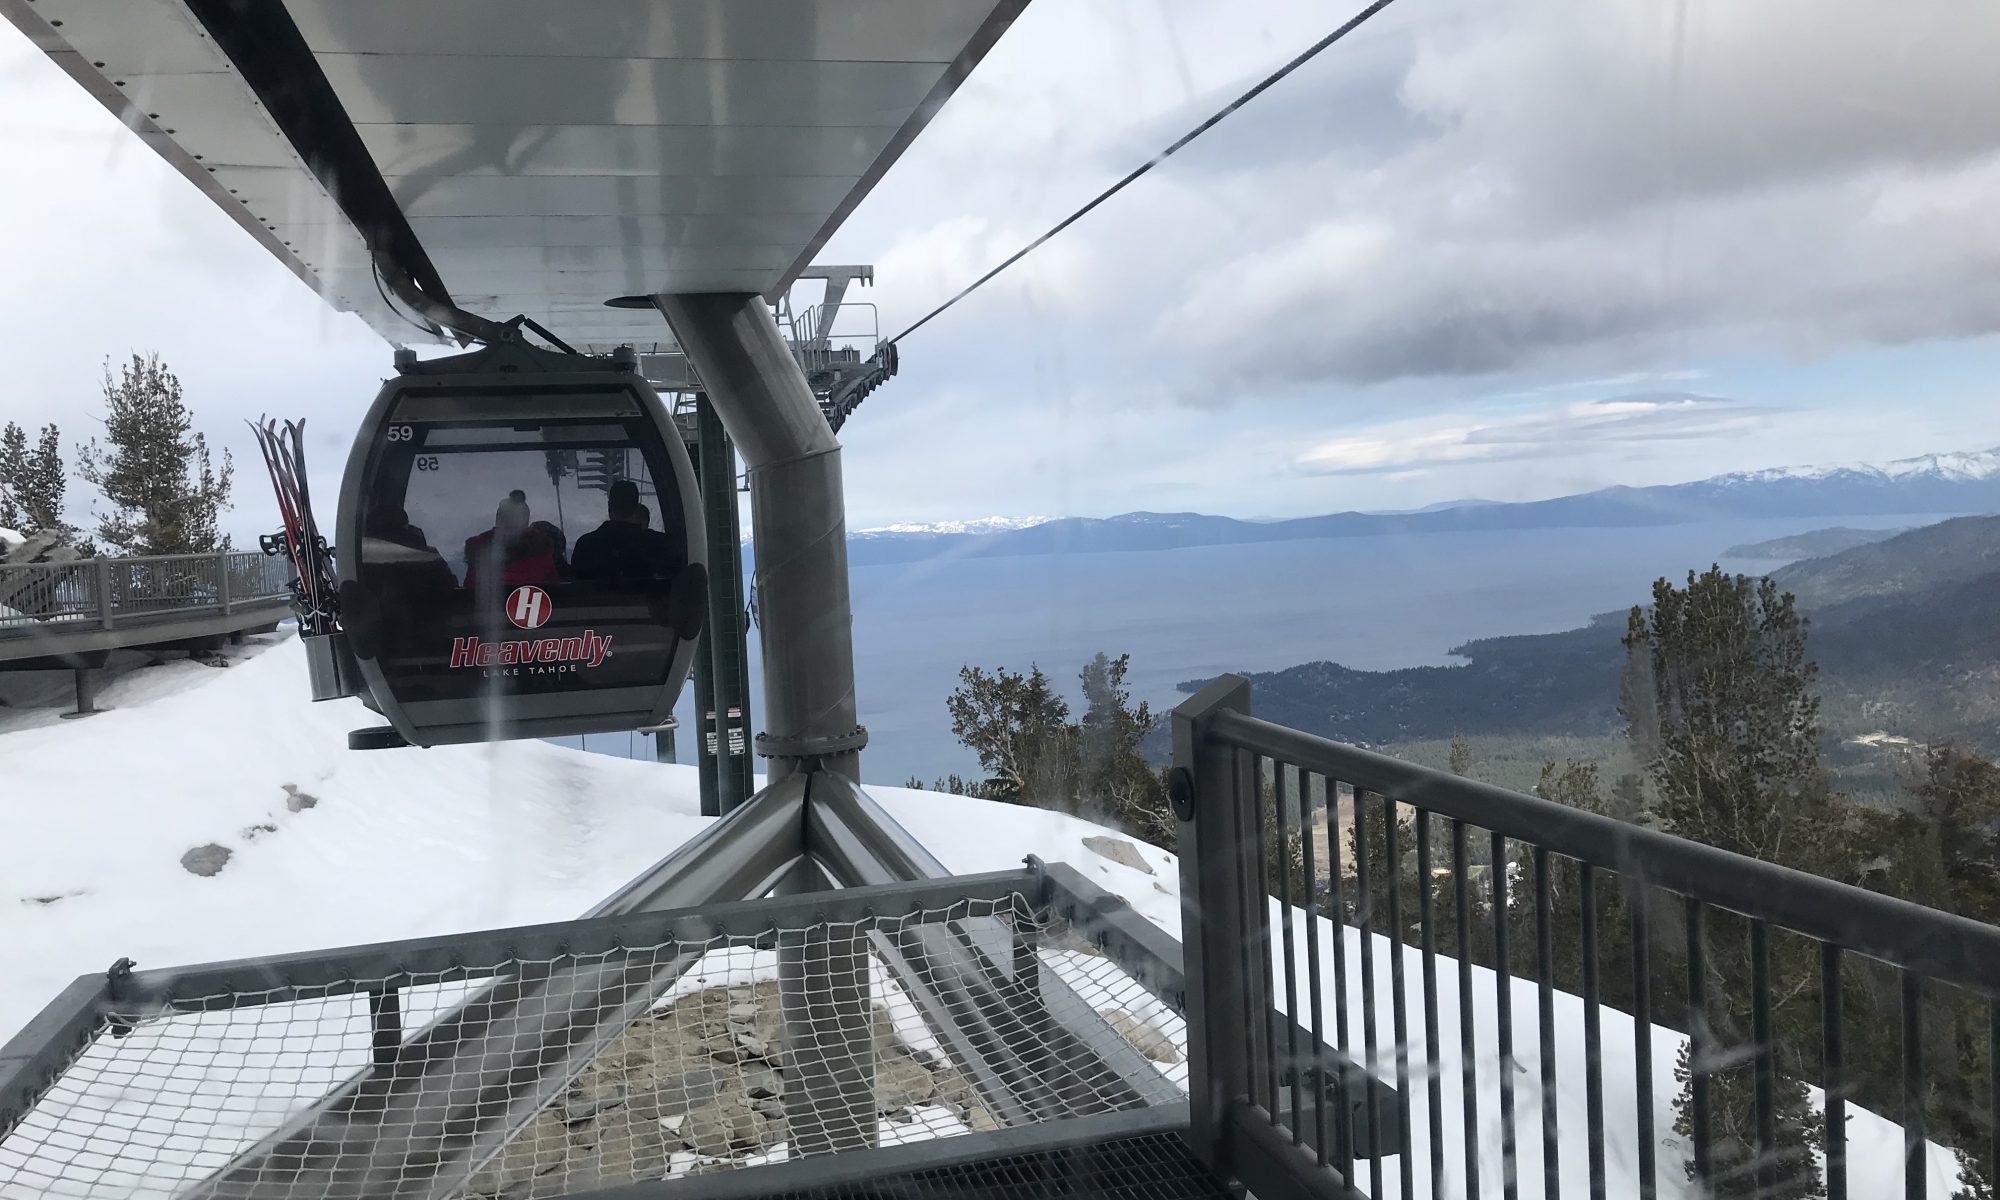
(43, 598)
(1757, 983)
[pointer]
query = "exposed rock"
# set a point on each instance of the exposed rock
(206, 860)
(702, 1083)
(539, 1148)
(298, 801)
(625, 1151)
(1118, 850)
(43, 547)
(578, 1106)
(30, 592)
(901, 1081)
(251, 833)
(723, 1126)
(760, 1082)
(1144, 1038)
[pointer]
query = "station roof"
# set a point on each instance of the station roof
(542, 157)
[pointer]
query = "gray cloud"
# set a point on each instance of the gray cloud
(1568, 188)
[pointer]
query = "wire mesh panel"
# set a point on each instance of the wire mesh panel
(717, 1062)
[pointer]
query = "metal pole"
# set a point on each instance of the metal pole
(798, 518)
(1218, 918)
(705, 740)
(86, 694)
(105, 607)
(727, 646)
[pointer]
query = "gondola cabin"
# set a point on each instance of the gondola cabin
(519, 549)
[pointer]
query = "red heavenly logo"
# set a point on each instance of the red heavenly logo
(590, 649)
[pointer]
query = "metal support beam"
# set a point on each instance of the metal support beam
(704, 729)
(726, 633)
(798, 520)
(823, 992)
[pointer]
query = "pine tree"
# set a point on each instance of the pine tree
(1460, 760)
(166, 493)
(1941, 850)
(1719, 709)
(13, 469)
(1033, 754)
(32, 482)
(1019, 727)
(1119, 786)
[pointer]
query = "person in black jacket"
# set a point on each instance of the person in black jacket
(623, 553)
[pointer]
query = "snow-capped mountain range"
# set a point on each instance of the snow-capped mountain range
(1948, 483)
(977, 525)
(1965, 466)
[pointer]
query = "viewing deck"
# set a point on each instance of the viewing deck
(70, 614)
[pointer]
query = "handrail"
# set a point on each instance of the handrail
(1941, 945)
(1297, 856)
(87, 592)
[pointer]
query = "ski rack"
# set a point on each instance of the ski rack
(330, 665)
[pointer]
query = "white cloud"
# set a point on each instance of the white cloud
(1557, 431)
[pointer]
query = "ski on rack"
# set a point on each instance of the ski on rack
(298, 537)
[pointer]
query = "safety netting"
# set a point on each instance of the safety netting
(559, 1075)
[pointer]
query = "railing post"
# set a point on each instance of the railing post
(1217, 923)
(222, 580)
(104, 603)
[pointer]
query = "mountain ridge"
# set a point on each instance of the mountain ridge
(1962, 482)
(1900, 628)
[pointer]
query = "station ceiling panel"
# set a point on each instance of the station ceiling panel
(547, 157)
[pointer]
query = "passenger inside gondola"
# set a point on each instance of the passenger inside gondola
(512, 553)
(624, 553)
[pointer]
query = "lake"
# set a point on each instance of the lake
(1369, 602)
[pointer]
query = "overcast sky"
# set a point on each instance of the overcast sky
(1505, 250)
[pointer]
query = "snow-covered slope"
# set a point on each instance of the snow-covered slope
(331, 847)
(96, 814)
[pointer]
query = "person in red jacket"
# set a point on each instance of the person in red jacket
(513, 552)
